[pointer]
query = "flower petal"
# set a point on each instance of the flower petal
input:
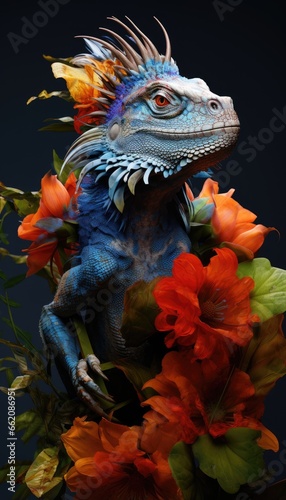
(268, 440)
(80, 81)
(71, 184)
(188, 270)
(253, 238)
(39, 255)
(82, 439)
(54, 195)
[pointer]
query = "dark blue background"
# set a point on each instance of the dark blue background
(239, 51)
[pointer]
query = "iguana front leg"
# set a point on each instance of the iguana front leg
(96, 267)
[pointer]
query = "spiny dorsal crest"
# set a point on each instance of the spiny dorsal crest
(111, 69)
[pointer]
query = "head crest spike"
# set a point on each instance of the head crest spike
(150, 47)
(144, 53)
(130, 52)
(168, 44)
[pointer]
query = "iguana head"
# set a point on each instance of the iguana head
(173, 122)
(150, 122)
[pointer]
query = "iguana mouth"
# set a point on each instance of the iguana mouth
(211, 131)
(190, 134)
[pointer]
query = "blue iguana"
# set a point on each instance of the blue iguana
(157, 130)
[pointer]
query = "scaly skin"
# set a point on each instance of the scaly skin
(159, 131)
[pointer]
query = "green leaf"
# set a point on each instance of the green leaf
(58, 163)
(21, 336)
(64, 60)
(182, 466)
(18, 259)
(242, 253)
(20, 469)
(234, 460)
(24, 202)
(140, 311)
(3, 235)
(2, 274)
(21, 360)
(9, 192)
(32, 423)
(54, 493)
(3, 238)
(268, 297)
(9, 302)
(13, 346)
(2, 203)
(264, 358)
(201, 211)
(22, 492)
(22, 381)
(83, 338)
(14, 281)
(29, 204)
(58, 126)
(10, 376)
(7, 358)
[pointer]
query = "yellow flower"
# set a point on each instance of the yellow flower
(85, 86)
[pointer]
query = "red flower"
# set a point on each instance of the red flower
(197, 398)
(109, 463)
(203, 305)
(56, 205)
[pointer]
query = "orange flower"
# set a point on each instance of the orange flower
(56, 205)
(231, 223)
(109, 463)
(205, 397)
(202, 305)
(84, 85)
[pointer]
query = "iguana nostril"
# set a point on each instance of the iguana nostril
(214, 106)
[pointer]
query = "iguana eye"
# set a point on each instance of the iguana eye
(161, 101)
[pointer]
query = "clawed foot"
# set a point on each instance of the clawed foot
(86, 388)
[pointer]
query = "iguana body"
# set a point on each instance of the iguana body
(157, 130)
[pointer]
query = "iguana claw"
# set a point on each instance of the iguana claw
(87, 389)
(94, 364)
